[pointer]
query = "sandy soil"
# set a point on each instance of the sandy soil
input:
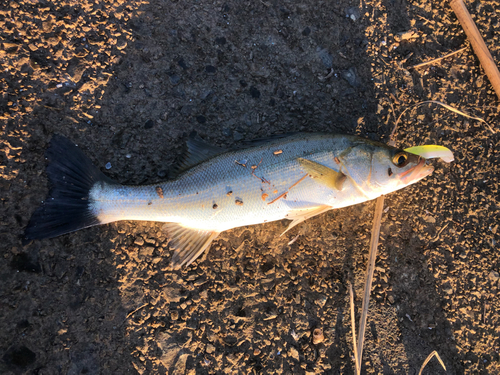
(129, 80)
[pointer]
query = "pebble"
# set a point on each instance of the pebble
(294, 353)
(353, 13)
(149, 124)
(447, 289)
(326, 58)
(174, 315)
(139, 241)
(350, 76)
(108, 165)
(321, 301)
(318, 336)
(146, 251)
(494, 276)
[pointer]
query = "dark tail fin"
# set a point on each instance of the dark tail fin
(66, 209)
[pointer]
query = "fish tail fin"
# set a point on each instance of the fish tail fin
(68, 206)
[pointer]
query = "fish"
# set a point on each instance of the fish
(294, 177)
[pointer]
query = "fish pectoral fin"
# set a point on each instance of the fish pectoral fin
(189, 243)
(299, 215)
(323, 175)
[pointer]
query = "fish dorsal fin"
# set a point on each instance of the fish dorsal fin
(323, 175)
(299, 215)
(197, 152)
(188, 243)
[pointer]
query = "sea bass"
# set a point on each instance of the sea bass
(291, 177)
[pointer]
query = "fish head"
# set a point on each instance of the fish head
(393, 169)
(378, 169)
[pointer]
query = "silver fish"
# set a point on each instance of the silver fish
(291, 177)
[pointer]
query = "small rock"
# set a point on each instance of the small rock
(149, 124)
(353, 13)
(122, 44)
(351, 77)
(210, 349)
(146, 251)
(494, 276)
(108, 165)
(294, 353)
(174, 315)
(391, 300)
(151, 241)
(139, 241)
(429, 219)
(447, 289)
(326, 58)
(318, 336)
(321, 301)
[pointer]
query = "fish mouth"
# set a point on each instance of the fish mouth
(416, 173)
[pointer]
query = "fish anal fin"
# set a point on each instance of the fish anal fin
(299, 215)
(189, 243)
(197, 152)
(322, 174)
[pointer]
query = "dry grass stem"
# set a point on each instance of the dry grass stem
(353, 326)
(133, 312)
(425, 63)
(434, 353)
(369, 274)
(448, 107)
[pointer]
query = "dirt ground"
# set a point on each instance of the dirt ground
(129, 80)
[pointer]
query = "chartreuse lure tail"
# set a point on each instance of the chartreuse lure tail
(431, 152)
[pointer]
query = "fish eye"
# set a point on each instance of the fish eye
(400, 159)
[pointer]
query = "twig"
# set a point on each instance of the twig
(438, 59)
(286, 192)
(439, 233)
(353, 326)
(477, 42)
(434, 353)
(448, 107)
(133, 312)
(327, 76)
(369, 274)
